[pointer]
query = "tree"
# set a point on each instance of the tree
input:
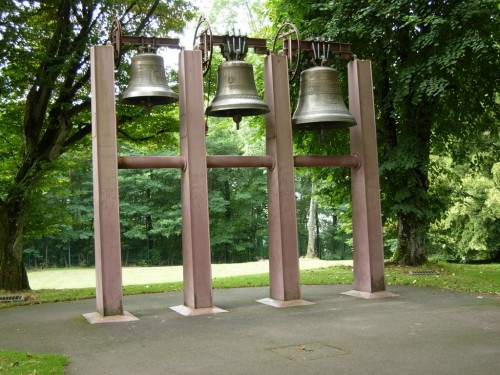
(311, 226)
(45, 95)
(470, 228)
(237, 199)
(435, 78)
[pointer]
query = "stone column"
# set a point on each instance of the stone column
(109, 298)
(284, 272)
(194, 189)
(366, 212)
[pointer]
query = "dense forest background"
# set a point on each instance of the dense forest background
(436, 79)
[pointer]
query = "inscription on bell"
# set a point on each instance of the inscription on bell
(319, 88)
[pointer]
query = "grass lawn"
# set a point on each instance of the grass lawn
(28, 363)
(484, 278)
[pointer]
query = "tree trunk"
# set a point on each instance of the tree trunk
(46, 254)
(311, 227)
(411, 241)
(53, 102)
(13, 274)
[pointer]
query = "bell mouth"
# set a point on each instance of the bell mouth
(321, 121)
(230, 106)
(320, 126)
(151, 97)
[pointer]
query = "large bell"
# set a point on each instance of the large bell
(148, 84)
(321, 106)
(236, 95)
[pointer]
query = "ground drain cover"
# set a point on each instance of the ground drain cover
(310, 351)
(11, 298)
(424, 272)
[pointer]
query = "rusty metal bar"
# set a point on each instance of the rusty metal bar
(237, 161)
(217, 161)
(148, 162)
(151, 40)
(234, 161)
(328, 161)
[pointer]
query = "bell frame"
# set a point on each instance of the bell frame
(280, 162)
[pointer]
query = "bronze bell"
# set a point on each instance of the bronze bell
(236, 95)
(148, 84)
(321, 106)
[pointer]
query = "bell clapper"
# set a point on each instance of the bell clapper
(149, 106)
(322, 136)
(237, 119)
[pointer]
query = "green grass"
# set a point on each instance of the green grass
(483, 278)
(29, 363)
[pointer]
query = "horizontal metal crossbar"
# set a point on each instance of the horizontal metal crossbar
(151, 40)
(353, 161)
(151, 162)
(236, 161)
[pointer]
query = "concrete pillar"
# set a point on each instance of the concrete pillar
(109, 298)
(194, 189)
(283, 243)
(366, 212)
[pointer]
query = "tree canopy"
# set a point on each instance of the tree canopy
(45, 101)
(436, 84)
(437, 105)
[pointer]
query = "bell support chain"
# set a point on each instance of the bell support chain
(109, 298)
(368, 251)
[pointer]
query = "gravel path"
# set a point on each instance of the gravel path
(85, 277)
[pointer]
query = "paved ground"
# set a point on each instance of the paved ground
(85, 277)
(422, 331)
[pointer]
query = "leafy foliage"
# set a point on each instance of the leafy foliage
(45, 101)
(435, 79)
(470, 229)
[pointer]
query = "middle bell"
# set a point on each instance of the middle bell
(236, 95)
(321, 106)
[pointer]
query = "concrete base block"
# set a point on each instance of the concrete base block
(369, 295)
(189, 311)
(95, 317)
(282, 304)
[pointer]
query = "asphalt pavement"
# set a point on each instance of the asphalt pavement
(419, 331)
